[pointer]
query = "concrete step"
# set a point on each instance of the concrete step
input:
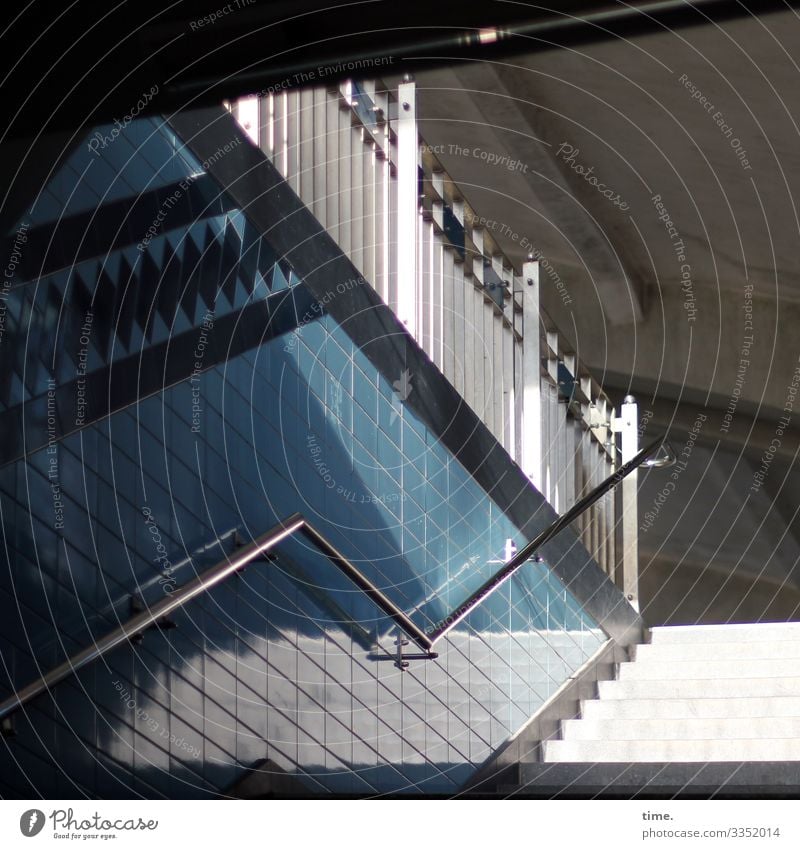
(670, 751)
(700, 634)
(695, 694)
(658, 670)
(756, 706)
(660, 780)
(699, 688)
(730, 728)
(717, 651)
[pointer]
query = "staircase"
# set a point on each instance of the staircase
(694, 694)
(699, 712)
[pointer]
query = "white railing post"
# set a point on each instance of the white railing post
(407, 204)
(531, 377)
(627, 425)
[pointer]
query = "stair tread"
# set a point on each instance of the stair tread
(699, 750)
(674, 708)
(667, 670)
(733, 632)
(677, 778)
(695, 694)
(699, 687)
(683, 728)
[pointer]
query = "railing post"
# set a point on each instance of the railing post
(627, 425)
(407, 204)
(531, 378)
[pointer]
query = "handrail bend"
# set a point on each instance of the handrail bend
(296, 523)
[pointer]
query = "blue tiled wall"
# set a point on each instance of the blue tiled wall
(279, 661)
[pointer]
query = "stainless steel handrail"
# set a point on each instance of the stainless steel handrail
(294, 524)
(136, 624)
(524, 554)
(208, 579)
(363, 583)
(669, 458)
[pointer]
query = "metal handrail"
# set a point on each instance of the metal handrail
(296, 523)
(662, 462)
(139, 622)
(524, 554)
(203, 582)
(363, 583)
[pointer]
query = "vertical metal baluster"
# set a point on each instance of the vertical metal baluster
(407, 203)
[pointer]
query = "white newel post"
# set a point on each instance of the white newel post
(531, 379)
(627, 425)
(407, 204)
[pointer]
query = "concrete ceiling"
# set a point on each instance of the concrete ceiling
(626, 111)
(704, 121)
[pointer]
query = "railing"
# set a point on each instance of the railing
(644, 457)
(354, 154)
(130, 630)
(141, 621)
